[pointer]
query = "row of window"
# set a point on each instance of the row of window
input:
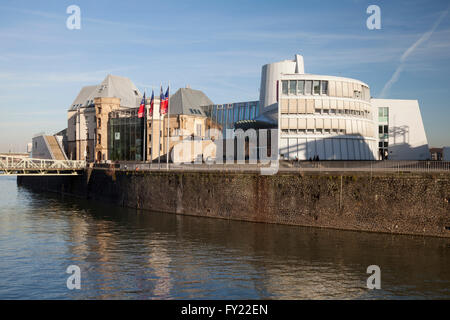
(325, 87)
(339, 112)
(195, 111)
(325, 106)
(319, 125)
(313, 131)
(304, 87)
(88, 103)
(226, 115)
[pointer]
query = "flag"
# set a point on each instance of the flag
(161, 102)
(141, 111)
(164, 101)
(151, 104)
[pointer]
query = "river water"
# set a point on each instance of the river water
(131, 254)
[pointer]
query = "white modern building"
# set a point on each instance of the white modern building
(319, 117)
(335, 118)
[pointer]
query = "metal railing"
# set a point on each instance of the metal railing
(294, 166)
(10, 165)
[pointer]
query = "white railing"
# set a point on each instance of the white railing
(9, 164)
(297, 166)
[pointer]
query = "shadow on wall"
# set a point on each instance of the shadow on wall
(400, 145)
(349, 147)
(404, 151)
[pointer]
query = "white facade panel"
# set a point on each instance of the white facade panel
(407, 137)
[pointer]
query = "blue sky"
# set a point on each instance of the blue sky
(218, 47)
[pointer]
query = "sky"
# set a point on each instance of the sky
(218, 47)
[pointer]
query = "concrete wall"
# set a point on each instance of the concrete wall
(406, 203)
(40, 149)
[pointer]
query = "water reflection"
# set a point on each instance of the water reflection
(126, 253)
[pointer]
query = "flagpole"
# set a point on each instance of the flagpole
(159, 132)
(144, 138)
(168, 126)
(153, 129)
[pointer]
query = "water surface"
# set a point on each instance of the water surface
(132, 254)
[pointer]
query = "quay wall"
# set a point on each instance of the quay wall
(409, 203)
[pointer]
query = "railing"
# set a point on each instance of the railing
(374, 166)
(23, 165)
(295, 166)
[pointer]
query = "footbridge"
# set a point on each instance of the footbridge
(23, 166)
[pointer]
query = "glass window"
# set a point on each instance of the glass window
(214, 113)
(293, 87)
(224, 116)
(301, 87)
(236, 113)
(241, 113)
(284, 85)
(252, 112)
(324, 87)
(308, 87)
(219, 116)
(316, 85)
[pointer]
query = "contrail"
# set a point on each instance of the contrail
(408, 51)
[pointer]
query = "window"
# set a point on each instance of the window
(383, 114)
(284, 87)
(99, 122)
(219, 115)
(383, 132)
(198, 130)
(300, 87)
(308, 87)
(324, 87)
(99, 139)
(316, 85)
(317, 111)
(230, 115)
(292, 87)
(252, 112)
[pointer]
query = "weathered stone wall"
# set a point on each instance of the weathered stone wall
(393, 203)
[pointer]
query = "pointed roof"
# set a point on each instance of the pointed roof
(111, 87)
(189, 101)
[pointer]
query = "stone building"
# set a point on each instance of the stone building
(90, 108)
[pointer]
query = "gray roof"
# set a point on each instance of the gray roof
(111, 87)
(270, 116)
(188, 101)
